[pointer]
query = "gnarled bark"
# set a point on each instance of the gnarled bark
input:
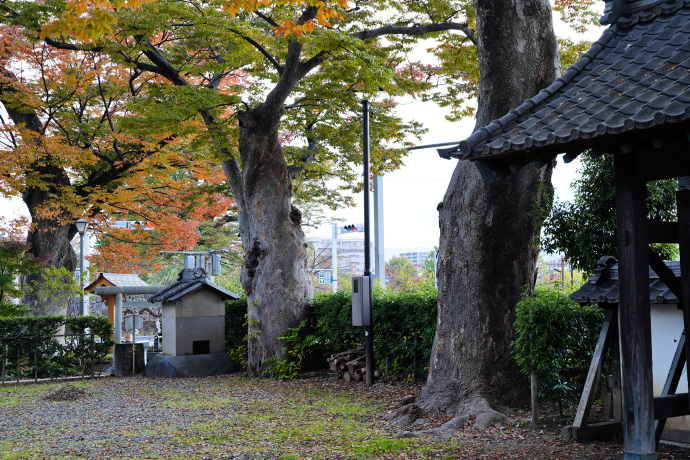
(489, 233)
(275, 276)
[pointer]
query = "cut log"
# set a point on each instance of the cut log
(347, 377)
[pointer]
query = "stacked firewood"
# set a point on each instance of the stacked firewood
(350, 365)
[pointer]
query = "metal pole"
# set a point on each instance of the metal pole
(84, 305)
(379, 254)
(369, 330)
(118, 318)
(334, 258)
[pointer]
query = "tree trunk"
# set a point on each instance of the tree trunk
(275, 275)
(49, 237)
(489, 233)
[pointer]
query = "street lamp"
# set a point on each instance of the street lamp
(81, 225)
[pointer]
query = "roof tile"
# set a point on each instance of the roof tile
(634, 77)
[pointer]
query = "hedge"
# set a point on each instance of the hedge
(556, 338)
(404, 327)
(30, 346)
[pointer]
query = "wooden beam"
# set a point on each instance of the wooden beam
(634, 320)
(683, 211)
(671, 385)
(663, 164)
(662, 232)
(594, 374)
(671, 406)
(596, 430)
(665, 273)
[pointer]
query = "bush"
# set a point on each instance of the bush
(29, 346)
(556, 339)
(236, 330)
(404, 327)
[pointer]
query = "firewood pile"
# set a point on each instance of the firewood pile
(350, 365)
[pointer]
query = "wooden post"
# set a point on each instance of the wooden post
(683, 203)
(535, 402)
(634, 320)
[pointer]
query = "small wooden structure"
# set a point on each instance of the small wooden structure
(193, 321)
(114, 280)
(668, 341)
(626, 96)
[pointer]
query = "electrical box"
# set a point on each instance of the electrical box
(361, 300)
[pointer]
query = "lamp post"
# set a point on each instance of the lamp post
(81, 225)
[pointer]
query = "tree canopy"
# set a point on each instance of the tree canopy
(75, 130)
(584, 229)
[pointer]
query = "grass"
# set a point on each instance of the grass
(215, 417)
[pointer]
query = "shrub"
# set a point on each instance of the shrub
(236, 330)
(404, 327)
(556, 339)
(29, 346)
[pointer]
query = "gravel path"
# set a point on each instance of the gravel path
(234, 417)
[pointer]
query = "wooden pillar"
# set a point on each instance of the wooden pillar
(683, 203)
(635, 334)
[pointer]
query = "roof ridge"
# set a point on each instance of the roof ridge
(651, 12)
(465, 147)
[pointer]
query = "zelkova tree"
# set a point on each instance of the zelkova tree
(490, 233)
(309, 64)
(73, 146)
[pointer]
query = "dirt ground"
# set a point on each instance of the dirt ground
(314, 417)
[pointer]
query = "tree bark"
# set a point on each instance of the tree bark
(275, 274)
(489, 233)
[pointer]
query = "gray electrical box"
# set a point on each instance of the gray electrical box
(361, 300)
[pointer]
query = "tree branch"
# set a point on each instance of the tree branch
(416, 30)
(261, 50)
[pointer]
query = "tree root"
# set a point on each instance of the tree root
(476, 411)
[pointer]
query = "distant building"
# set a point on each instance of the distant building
(416, 258)
(350, 255)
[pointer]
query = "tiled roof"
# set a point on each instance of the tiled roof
(634, 78)
(124, 279)
(602, 287)
(189, 280)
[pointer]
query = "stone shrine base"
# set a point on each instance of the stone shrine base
(164, 366)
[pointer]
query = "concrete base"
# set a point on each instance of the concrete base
(171, 367)
(122, 359)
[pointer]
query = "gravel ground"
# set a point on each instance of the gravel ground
(235, 417)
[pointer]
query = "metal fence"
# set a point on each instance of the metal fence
(46, 358)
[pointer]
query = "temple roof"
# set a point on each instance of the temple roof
(116, 279)
(189, 280)
(602, 286)
(634, 78)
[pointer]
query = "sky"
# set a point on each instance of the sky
(411, 194)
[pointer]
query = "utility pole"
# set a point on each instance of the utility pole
(334, 258)
(379, 254)
(369, 330)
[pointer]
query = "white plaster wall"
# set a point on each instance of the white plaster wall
(667, 326)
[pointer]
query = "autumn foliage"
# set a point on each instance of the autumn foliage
(82, 118)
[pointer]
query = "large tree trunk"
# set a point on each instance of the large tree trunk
(275, 275)
(49, 238)
(489, 233)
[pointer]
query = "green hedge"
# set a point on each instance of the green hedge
(404, 327)
(29, 347)
(556, 338)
